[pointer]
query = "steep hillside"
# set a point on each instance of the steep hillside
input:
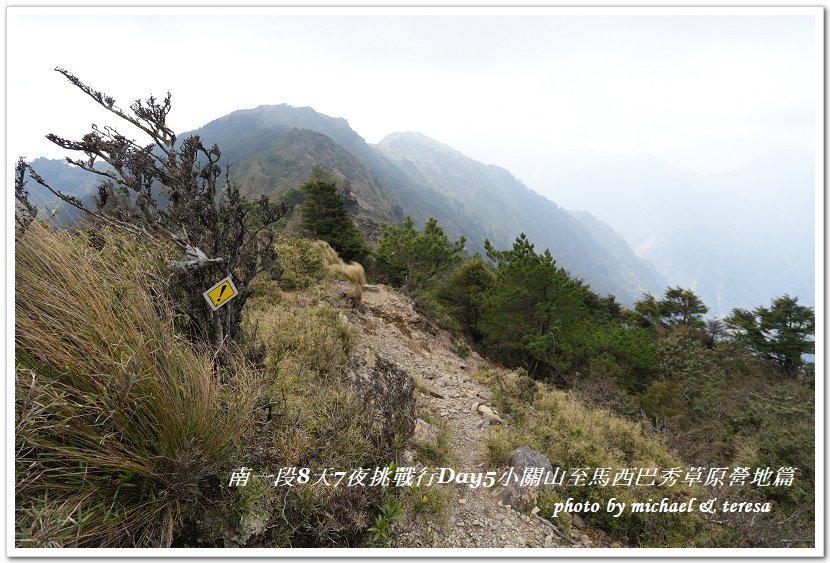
(344, 371)
(287, 162)
(343, 375)
(502, 207)
(612, 242)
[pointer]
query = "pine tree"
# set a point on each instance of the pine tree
(461, 292)
(411, 259)
(532, 312)
(679, 307)
(780, 334)
(325, 216)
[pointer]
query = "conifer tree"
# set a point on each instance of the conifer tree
(532, 311)
(411, 259)
(325, 216)
(461, 292)
(679, 307)
(781, 334)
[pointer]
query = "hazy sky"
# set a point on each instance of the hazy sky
(705, 92)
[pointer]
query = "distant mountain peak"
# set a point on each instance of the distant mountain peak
(271, 114)
(407, 135)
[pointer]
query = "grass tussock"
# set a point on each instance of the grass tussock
(305, 263)
(323, 417)
(306, 341)
(120, 425)
(572, 435)
(351, 271)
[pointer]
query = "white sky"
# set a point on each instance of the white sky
(705, 92)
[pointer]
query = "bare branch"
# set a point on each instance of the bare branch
(105, 101)
(78, 204)
(195, 264)
(228, 237)
(25, 211)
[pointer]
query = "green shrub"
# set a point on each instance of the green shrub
(301, 263)
(463, 350)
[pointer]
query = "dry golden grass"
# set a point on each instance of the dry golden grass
(306, 263)
(573, 435)
(352, 271)
(118, 420)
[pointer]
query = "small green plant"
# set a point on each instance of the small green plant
(433, 501)
(421, 502)
(463, 350)
(382, 532)
(440, 453)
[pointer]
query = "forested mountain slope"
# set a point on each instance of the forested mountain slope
(502, 207)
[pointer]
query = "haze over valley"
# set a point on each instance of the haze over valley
(688, 140)
(735, 238)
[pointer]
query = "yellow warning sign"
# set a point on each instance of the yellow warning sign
(220, 293)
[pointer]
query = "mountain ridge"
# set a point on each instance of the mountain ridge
(457, 205)
(274, 147)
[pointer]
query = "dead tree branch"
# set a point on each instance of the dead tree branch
(164, 190)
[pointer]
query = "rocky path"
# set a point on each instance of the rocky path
(388, 326)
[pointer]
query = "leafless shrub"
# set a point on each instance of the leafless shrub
(217, 231)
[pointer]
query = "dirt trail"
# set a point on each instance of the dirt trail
(388, 326)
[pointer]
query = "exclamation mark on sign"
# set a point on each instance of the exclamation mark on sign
(221, 291)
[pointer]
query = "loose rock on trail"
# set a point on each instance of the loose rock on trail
(387, 326)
